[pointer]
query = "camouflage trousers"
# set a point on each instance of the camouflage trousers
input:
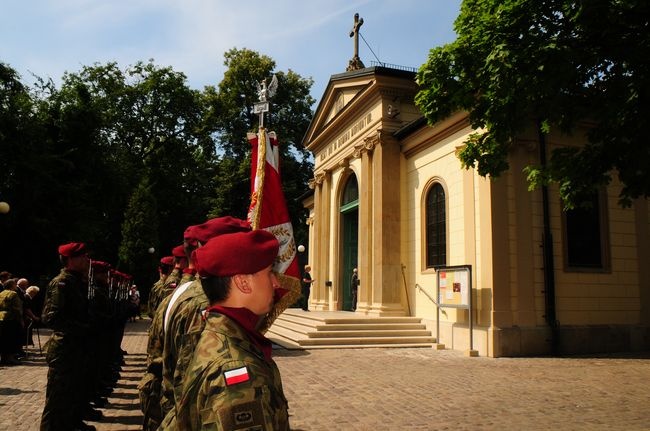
(65, 392)
(150, 390)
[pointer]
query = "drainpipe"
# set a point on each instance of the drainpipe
(547, 245)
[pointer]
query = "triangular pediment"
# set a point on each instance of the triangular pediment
(351, 96)
(340, 94)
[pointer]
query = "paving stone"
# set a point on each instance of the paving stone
(394, 389)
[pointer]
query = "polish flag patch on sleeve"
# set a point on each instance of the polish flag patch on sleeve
(238, 375)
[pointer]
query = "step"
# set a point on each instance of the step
(392, 327)
(365, 340)
(342, 317)
(370, 326)
(290, 345)
(297, 329)
(371, 333)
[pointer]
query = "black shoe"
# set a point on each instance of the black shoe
(100, 402)
(92, 414)
(82, 426)
(10, 361)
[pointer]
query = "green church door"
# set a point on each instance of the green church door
(350, 239)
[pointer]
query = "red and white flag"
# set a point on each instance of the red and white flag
(268, 210)
(238, 375)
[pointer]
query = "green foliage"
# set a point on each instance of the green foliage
(126, 159)
(557, 63)
(230, 111)
(139, 232)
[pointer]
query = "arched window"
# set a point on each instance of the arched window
(436, 227)
(351, 192)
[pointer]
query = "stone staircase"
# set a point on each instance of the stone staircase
(298, 329)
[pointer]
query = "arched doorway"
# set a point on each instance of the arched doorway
(349, 238)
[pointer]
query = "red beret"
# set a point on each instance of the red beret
(236, 253)
(73, 249)
(187, 235)
(178, 251)
(213, 227)
(99, 265)
(167, 260)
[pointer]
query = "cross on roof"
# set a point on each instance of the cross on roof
(356, 63)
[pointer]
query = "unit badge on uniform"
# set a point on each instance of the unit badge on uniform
(242, 417)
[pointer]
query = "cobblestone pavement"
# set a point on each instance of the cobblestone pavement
(395, 389)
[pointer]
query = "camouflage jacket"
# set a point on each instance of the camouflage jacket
(171, 282)
(66, 305)
(229, 384)
(155, 341)
(154, 294)
(66, 312)
(183, 323)
(11, 307)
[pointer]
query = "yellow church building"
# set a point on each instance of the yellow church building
(487, 264)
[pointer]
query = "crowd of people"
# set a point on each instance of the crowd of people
(208, 362)
(18, 316)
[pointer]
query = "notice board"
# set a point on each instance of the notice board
(454, 286)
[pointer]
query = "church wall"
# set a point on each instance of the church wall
(496, 226)
(597, 310)
(438, 163)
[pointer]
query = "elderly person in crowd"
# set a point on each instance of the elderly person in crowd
(30, 317)
(11, 323)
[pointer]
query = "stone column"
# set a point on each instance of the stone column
(387, 281)
(365, 250)
(320, 263)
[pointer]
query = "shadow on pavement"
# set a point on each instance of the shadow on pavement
(290, 353)
(13, 391)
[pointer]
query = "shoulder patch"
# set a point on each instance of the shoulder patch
(237, 375)
(245, 416)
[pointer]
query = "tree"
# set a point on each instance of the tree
(152, 129)
(26, 231)
(72, 157)
(231, 117)
(139, 233)
(557, 63)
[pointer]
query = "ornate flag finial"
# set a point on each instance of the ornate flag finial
(265, 93)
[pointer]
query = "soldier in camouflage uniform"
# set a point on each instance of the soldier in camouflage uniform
(174, 278)
(66, 312)
(165, 267)
(232, 382)
(101, 326)
(183, 320)
(150, 386)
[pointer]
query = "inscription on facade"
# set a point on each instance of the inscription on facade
(346, 136)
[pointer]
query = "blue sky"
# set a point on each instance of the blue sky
(310, 37)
